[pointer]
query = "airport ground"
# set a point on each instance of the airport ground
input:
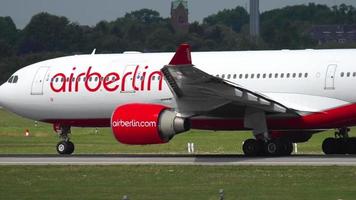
(160, 181)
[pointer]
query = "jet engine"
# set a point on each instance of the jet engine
(140, 124)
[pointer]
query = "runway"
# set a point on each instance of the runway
(152, 159)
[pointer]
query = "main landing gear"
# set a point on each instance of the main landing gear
(340, 144)
(65, 147)
(273, 147)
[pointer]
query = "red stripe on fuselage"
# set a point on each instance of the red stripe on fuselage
(334, 118)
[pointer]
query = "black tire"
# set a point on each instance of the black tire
(273, 148)
(341, 146)
(287, 147)
(351, 146)
(329, 146)
(65, 148)
(70, 147)
(251, 147)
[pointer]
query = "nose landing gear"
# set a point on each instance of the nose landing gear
(65, 147)
(340, 144)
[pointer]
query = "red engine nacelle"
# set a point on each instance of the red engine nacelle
(139, 124)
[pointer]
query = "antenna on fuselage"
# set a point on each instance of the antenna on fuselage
(93, 53)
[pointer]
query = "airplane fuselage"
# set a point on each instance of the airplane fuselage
(84, 90)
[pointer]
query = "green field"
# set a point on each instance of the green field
(176, 182)
(43, 140)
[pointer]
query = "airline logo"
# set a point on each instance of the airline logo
(133, 124)
(93, 81)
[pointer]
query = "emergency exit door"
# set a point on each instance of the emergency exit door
(38, 81)
(330, 77)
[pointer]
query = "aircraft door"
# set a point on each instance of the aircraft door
(38, 81)
(330, 77)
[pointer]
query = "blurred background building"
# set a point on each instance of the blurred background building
(334, 33)
(254, 18)
(179, 15)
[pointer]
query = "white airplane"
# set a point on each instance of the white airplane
(284, 97)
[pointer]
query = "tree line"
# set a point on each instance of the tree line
(47, 36)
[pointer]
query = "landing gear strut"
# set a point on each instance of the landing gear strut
(272, 147)
(340, 144)
(65, 147)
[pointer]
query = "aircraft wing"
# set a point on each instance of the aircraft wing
(199, 93)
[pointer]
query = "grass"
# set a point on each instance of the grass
(43, 140)
(176, 182)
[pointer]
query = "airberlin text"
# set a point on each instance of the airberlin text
(93, 81)
(134, 124)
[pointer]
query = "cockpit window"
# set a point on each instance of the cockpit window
(16, 78)
(13, 79)
(10, 79)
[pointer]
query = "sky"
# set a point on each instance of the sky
(90, 12)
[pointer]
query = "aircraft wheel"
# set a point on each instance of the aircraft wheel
(252, 147)
(273, 147)
(329, 145)
(65, 148)
(287, 147)
(341, 145)
(71, 147)
(351, 146)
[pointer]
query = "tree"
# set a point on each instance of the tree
(47, 32)
(145, 16)
(8, 31)
(234, 18)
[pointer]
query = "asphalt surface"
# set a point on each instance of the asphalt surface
(153, 159)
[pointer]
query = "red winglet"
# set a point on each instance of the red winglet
(182, 56)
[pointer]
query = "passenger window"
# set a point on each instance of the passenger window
(270, 76)
(96, 79)
(235, 75)
(288, 75)
(217, 75)
(275, 75)
(264, 76)
(240, 76)
(56, 80)
(300, 75)
(246, 76)
(348, 74)
(354, 74)
(252, 76)
(228, 76)
(223, 76)
(153, 78)
(306, 75)
(294, 75)
(90, 79)
(258, 75)
(282, 75)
